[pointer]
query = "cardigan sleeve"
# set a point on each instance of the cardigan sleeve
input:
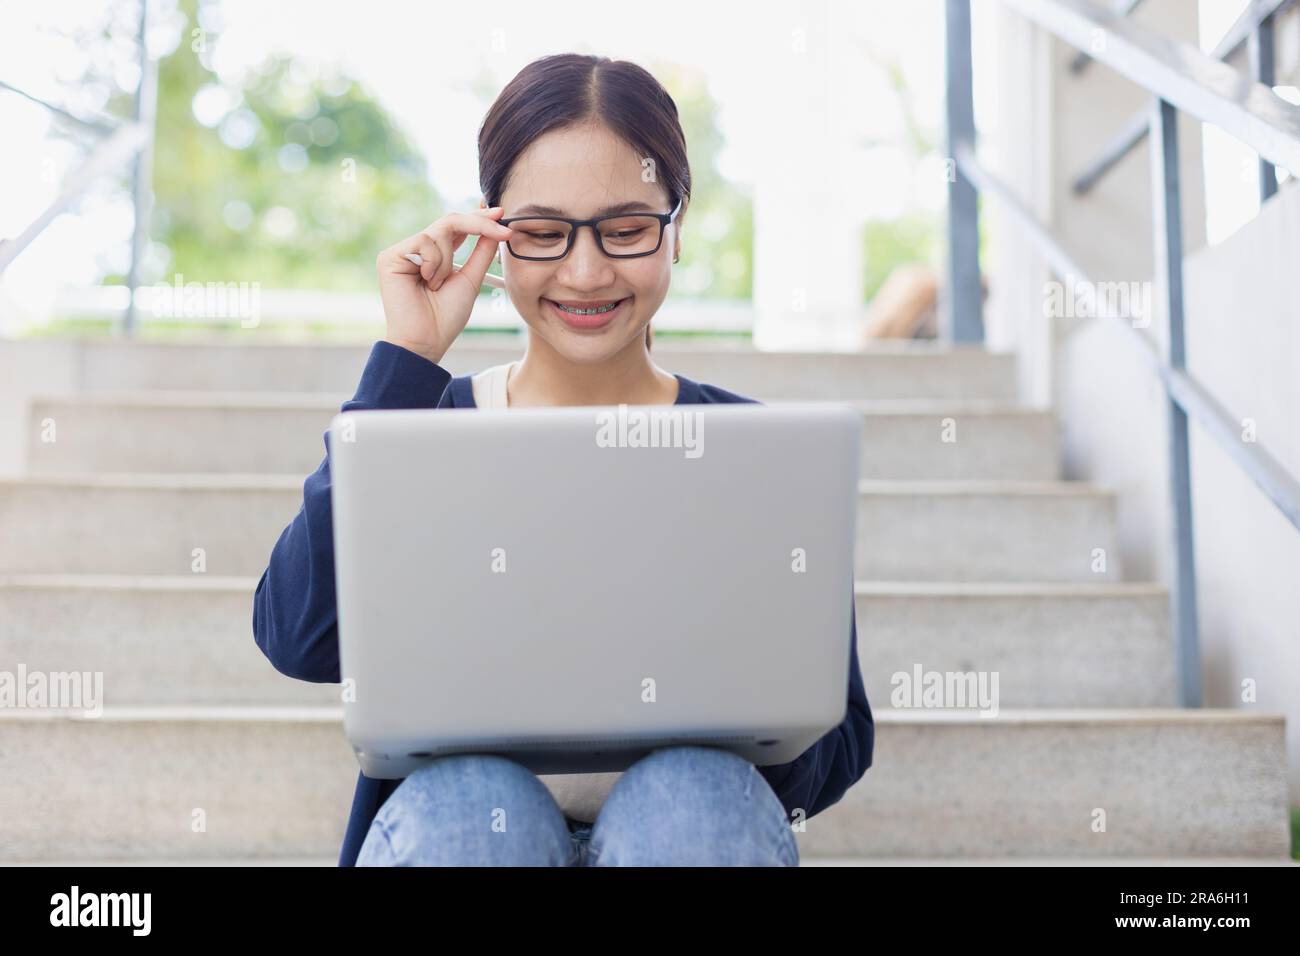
(821, 775)
(295, 614)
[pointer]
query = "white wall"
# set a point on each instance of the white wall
(1113, 414)
(1243, 344)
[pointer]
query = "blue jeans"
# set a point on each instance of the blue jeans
(678, 806)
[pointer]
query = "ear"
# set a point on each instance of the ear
(677, 233)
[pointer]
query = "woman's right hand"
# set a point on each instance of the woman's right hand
(427, 306)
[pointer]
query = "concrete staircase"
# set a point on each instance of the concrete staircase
(990, 565)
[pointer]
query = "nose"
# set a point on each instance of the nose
(586, 267)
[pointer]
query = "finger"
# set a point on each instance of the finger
(425, 261)
(445, 267)
(495, 281)
(442, 261)
(465, 224)
(428, 254)
(476, 266)
(453, 229)
(395, 260)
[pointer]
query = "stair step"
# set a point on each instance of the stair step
(282, 433)
(985, 531)
(1174, 783)
(268, 782)
(1050, 645)
(906, 530)
(887, 370)
(187, 639)
(158, 641)
(277, 782)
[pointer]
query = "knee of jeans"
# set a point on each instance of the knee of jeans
(473, 782)
(686, 760)
(462, 773)
(689, 779)
(473, 808)
(692, 805)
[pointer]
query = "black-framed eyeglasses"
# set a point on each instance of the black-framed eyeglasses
(622, 235)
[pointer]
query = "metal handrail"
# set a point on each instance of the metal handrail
(1239, 33)
(1254, 27)
(1123, 8)
(123, 144)
(103, 126)
(1269, 474)
(1180, 77)
(1179, 74)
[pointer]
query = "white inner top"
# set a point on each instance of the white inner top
(490, 386)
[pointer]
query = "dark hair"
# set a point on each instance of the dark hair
(569, 89)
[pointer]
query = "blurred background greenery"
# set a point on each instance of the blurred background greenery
(298, 178)
(294, 175)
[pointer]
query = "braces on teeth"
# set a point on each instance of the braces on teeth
(603, 308)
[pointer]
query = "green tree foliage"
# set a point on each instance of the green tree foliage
(299, 184)
(296, 179)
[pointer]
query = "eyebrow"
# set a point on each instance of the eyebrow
(532, 209)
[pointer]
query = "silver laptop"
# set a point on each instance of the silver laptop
(575, 587)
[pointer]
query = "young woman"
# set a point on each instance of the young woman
(589, 139)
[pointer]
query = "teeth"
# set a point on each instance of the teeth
(596, 311)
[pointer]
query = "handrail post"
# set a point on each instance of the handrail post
(965, 293)
(1168, 263)
(1261, 50)
(146, 95)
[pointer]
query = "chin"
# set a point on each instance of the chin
(580, 348)
(588, 348)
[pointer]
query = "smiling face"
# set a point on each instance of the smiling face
(583, 172)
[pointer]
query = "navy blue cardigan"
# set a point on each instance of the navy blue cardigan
(295, 619)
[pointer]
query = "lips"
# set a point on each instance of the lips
(594, 320)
